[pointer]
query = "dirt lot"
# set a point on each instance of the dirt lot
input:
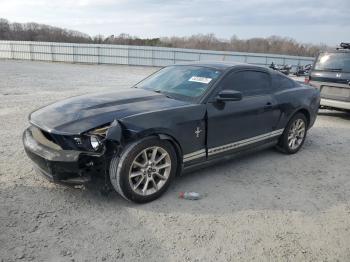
(262, 207)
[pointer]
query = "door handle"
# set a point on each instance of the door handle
(268, 105)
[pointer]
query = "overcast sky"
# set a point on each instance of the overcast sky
(308, 21)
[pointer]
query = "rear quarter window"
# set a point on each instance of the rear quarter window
(282, 82)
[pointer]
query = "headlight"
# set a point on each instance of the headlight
(97, 136)
(95, 142)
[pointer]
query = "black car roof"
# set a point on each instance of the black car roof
(220, 65)
(336, 51)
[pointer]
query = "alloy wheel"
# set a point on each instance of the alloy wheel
(296, 134)
(150, 170)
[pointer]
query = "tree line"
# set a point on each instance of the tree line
(47, 33)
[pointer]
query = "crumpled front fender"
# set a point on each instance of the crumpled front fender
(115, 132)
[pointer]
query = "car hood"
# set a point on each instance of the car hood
(81, 113)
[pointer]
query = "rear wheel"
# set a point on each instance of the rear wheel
(144, 170)
(294, 134)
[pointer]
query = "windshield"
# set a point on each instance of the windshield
(333, 62)
(181, 82)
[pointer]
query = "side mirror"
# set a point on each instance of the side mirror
(229, 95)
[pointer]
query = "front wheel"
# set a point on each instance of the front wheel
(294, 134)
(144, 169)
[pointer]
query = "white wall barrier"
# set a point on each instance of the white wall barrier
(133, 55)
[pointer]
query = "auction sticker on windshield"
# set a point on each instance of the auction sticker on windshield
(200, 79)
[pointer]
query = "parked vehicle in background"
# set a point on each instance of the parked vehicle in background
(284, 69)
(303, 70)
(273, 66)
(331, 75)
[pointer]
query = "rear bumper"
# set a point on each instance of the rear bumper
(335, 103)
(58, 165)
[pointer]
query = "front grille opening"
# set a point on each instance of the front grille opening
(44, 138)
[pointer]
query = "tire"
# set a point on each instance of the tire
(135, 167)
(285, 143)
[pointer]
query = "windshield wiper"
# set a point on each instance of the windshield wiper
(163, 93)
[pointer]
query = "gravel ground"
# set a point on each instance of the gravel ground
(263, 207)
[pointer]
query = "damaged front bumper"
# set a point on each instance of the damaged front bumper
(58, 165)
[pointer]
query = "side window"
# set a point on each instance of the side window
(282, 82)
(250, 83)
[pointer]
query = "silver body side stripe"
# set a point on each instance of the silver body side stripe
(223, 148)
(194, 155)
(245, 142)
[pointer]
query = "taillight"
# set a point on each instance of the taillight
(307, 79)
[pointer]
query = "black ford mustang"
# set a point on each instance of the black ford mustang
(179, 118)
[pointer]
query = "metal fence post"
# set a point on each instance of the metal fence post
(52, 53)
(11, 50)
(174, 56)
(74, 54)
(31, 51)
(98, 55)
(152, 57)
(128, 56)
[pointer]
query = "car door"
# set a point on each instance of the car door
(235, 124)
